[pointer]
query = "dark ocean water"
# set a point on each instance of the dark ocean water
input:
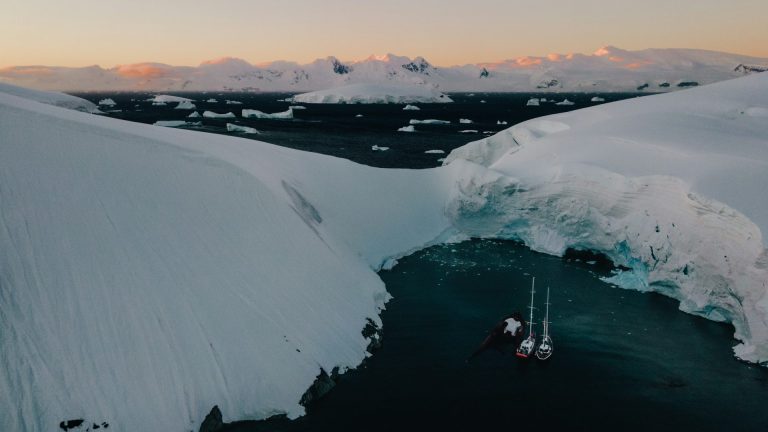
(335, 130)
(623, 360)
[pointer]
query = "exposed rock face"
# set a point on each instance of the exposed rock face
(213, 421)
(419, 65)
(746, 69)
(484, 73)
(548, 83)
(688, 84)
(643, 86)
(340, 68)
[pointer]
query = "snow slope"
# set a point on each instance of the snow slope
(374, 94)
(671, 186)
(607, 69)
(147, 273)
(55, 99)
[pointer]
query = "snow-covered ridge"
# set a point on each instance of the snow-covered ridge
(670, 186)
(374, 94)
(55, 99)
(608, 69)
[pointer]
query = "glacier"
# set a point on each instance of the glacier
(148, 274)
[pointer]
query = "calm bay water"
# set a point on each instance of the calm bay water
(623, 360)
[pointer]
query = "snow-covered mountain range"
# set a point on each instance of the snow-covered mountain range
(148, 274)
(607, 69)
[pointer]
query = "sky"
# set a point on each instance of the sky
(187, 32)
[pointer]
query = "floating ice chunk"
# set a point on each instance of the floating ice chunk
(465, 121)
(482, 101)
(565, 102)
(468, 131)
(107, 102)
(597, 99)
(429, 121)
(176, 123)
(212, 100)
(159, 104)
(501, 122)
(377, 148)
(211, 114)
(251, 113)
(532, 102)
(297, 107)
(407, 129)
(231, 127)
(185, 105)
(233, 102)
(194, 115)
(168, 99)
(435, 151)
(411, 108)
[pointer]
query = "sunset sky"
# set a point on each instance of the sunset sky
(112, 32)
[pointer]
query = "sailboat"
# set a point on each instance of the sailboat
(544, 351)
(526, 347)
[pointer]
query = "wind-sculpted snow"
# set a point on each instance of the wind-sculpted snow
(148, 274)
(374, 94)
(671, 186)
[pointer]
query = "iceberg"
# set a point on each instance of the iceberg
(212, 101)
(429, 121)
(185, 105)
(468, 131)
(297, 107)
(233, 102)
(107, 102)
(374, 94)
(465, 121)
(176, 123)
(411, 108)
(166, 99)
(501, 122)
(597, 99)
(407, 129)
(211, 114)
(532, 102)
(251, 113)
(434, 151)
(378, 148)
(194, 115)
(231, 127)
(564, 102)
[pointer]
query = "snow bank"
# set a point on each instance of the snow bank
(56, 99)
(374, 94)
(231, 127)
(407, 129)
(251, 113)
(670, 186)
(429, 121)
(211, 114)
(411, 108)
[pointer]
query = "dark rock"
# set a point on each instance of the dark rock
(664, 84)
(71, 424)
(322, 385)
(213, 421)
(340, 68)
(548, 83)
(687, 84)
(746, 69)
(418, 65)
(643, 87)
(484, 73)
(372, 332)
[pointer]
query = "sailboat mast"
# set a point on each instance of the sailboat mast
(546, 316)
(530, 320)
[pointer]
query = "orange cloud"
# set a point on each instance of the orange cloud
(554, 57)
(638, 65)
(615, 59)
(527, 61)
